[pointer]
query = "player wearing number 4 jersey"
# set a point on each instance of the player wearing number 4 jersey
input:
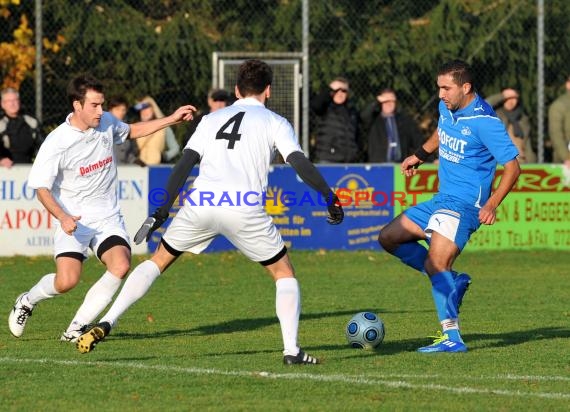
(471, 140)
(75, 175)
(235, 147)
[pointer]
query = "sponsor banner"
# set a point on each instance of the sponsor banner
(365, 191)
(26, 228)
(535, 215)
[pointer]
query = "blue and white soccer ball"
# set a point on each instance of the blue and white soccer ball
(365, 331)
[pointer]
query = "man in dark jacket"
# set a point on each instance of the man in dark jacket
(20, 136)
(392, 134)
(337, 124)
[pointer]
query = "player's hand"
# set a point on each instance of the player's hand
(410, 165)
(185, 113)
(149, 226)
(487, 215)
(336, 214)
(69, 224)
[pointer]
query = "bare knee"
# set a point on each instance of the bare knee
(281, 269)
(65, 281)
(385, 242)
(119, 267)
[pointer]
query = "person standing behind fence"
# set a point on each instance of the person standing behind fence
(126, 153)
(559, 127)
(217, 99)
(161, 146)
(508, 107)
(337, 134)
(392, 134)
(20, 135)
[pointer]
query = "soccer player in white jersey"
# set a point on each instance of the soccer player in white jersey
(471, 141)
(235, 146)
(75, 176)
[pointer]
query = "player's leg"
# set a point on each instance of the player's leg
(288, 308)
(441, 255)
(450, 229)
(401, 237)
(115, 253)
(136, 286)
(252, 231)
(181, 235)
(70, 251)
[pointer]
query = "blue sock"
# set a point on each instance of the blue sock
(412, 254)
(444, 295)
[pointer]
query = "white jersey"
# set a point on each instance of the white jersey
(236, 145)
(79, 169)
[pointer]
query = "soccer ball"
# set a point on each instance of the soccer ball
(365, 331)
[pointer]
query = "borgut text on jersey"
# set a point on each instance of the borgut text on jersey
(454, 143)
(95, 166)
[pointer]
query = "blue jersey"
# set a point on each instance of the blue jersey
(472, 141)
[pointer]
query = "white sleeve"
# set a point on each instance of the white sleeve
(46, 165)
(285, 139)
(121, 130)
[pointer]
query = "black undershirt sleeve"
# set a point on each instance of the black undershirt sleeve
(309, 173)
(178, 177)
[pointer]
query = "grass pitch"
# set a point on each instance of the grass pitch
(206, 338)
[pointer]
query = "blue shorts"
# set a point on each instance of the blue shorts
(447, 216)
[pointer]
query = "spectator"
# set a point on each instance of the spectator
(559, 127)
(20, 133)
(161, 146)
(217, 99)
(509, 109)
(392, 134)
(126, 153)
(337, 134)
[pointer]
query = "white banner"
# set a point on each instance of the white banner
(26, 228)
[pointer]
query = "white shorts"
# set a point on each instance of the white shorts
(89, 236)
(249, 229)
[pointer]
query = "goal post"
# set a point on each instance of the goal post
(285, 89)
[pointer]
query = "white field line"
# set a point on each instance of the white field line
(348, 379)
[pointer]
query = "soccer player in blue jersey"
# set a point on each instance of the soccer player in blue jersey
(471, 141)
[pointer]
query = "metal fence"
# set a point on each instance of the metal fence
(374, 43)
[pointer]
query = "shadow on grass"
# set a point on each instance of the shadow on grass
(242, 325)
(475, 341)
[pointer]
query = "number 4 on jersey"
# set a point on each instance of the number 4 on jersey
(233, 135)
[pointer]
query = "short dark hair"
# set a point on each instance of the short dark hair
(460, 72)
(117, 101)
(253, 77)
(78, 86)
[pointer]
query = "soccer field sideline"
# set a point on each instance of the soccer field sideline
(362, 379)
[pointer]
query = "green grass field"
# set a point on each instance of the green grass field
(206, 338)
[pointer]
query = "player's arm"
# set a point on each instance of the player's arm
(68, 222)
(512, 170)
(411, 163)
(311, 176)
(141, 129)
(175, 182)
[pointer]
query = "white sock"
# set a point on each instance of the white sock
(44, 289)
(136, 286)
(96, 299)
(288, 308)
